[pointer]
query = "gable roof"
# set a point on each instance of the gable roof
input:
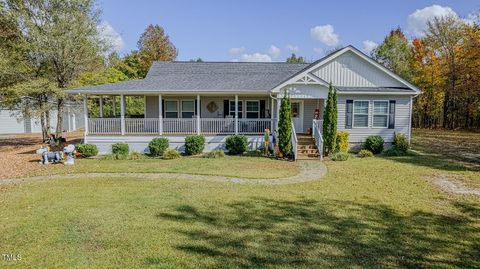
(323, 61)
(203, 77)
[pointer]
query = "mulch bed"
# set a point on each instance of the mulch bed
(18, 157)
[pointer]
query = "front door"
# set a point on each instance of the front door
(297, 116)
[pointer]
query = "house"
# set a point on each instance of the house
(217, 99)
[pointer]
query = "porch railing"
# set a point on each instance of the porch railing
(210, 126)
(179, 126)
(141, 126)
(104, 126)
(317, 130)
(294, 143)
(217, 126)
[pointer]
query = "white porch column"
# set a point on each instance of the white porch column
(85, 117)
(101, 106)
(278, 111)
(69, 119)
(160, 115)
(122, 113)
(272, 124)
(114, 106)
(236, 114)
(74, 124)
(198, 114)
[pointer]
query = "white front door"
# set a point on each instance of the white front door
(297, 116)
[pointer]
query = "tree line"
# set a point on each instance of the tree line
(49, 46)
(445, 65)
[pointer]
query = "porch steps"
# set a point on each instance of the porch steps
(306, 148)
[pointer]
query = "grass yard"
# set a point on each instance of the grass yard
(245, 167)
(366, 213)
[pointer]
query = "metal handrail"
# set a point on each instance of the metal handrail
(294, 142)
(317, 126)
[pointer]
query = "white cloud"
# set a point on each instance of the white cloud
(234, 51)
(417, 21)
(293, 48)
(112, 37)
(368, 46)
(255, 57)
(325, 34)
(318, 50)
(274, 52)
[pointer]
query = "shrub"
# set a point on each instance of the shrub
(114, 157)
(374, 143)
(364, 153)
(87, 150)
(158, 146)
(342, 141)
(215, 154)
(340, 156)
(194, 144)
(120, 149)
(400, 142)
(236, 144)
(171, 154)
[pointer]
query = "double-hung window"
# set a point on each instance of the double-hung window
(232, 109)
(360, 114)
(188, 108)
(380, 114)
(171, 109)
(253, 109)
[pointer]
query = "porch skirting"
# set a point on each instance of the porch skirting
(140, 143)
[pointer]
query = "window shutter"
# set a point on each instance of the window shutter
(349, 114)
(226, 108)
(262, 109)
(391, 115)
(195, 107)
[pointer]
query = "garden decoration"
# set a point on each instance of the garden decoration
(56, 156)
(266, 140)
(69, 151)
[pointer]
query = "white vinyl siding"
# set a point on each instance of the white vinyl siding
(380, 114)
(360, 114)
(358, 135)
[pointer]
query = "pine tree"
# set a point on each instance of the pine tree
(285, 126)
(330, 121)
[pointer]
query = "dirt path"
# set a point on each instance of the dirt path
(311, 170)
(452, 185)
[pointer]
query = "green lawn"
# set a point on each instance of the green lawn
(366, 213)
(245, 167)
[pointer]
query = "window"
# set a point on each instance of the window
(360, 114)
(188, 108)
(295, 109)
(253, 109)
(232, 109)
(171, 109)
(380, 114)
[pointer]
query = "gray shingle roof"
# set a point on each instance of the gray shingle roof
(203, 77)
(374, 89)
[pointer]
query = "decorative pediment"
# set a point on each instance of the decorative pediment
(307, 79)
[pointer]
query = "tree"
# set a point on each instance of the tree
(285, 125)
(295, 59)
(154, 45)
(198, 60)
(62, 40)
(396, 54)
(330, 121)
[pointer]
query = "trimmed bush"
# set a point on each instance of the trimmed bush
(365, 153)
(158, 146)
(236, 144)
(194, 144)
(120, 149)
(400, 142)
(171, 154)
(87, 150)
(340, 156)
(342, 141)
(374, 143)
(215, 154)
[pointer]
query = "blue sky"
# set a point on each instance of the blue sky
(267, 30)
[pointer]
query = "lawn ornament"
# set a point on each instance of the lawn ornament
(69, 151)
(48, 156)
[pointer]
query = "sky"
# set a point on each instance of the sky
(267, 30)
